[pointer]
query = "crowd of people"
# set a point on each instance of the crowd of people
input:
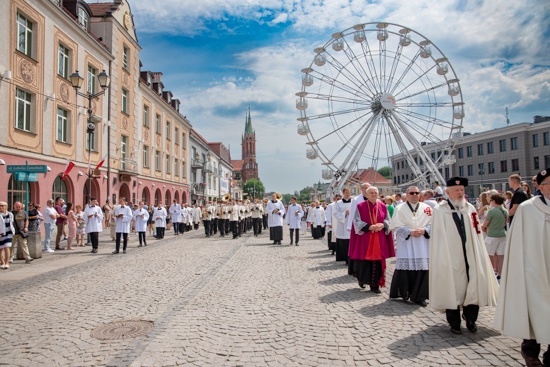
(450, 254)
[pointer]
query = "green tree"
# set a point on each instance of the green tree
(386, 172)
(254, 188)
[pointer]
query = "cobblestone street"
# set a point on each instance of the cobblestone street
(222, 302)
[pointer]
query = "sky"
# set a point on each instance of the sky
(220, 57)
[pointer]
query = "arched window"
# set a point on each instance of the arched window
(59, 189)
(16, 191)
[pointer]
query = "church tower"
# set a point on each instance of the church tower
(250, 167)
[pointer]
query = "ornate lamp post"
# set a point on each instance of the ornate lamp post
(77, 81)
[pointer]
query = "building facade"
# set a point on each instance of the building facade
(488, 158)
(139, 146)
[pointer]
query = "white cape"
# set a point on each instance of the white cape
(523, 308)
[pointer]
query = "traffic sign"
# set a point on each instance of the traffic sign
(28, 177)
(36, 168)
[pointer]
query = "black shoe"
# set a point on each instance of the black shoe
(422, 303)
(531, 361)
(333, 252)
(456, 331)
(361, 285)
(471, 325)
(94, 251)
(296, 243)
(375, 290)
(145, 245)
(123, 251)
(115, 252)
(291, 243)
(140, 245)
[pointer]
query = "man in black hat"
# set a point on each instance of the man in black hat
(524, 302)
(461, 275)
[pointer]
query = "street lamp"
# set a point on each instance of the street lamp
(76, 82)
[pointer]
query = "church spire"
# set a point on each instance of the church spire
(248, 124)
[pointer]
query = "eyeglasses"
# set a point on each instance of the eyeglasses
(414, 193)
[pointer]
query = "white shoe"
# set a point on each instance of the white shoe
(49, 250)
(11, 260)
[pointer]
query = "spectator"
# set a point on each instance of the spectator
(21, 225)
(508, 197)
(34, 221)
(514, 181)
(495, 228)
(428, 196)
(6, 235)
(80, 226)
(71, 220)
(107, 213)
(535, 186)
(438, 190)
(50, 216)
(60, 222)
(525, 186)
(389, 204)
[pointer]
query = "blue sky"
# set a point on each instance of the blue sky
(221, 56)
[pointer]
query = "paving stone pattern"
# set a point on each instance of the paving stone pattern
(223, 302)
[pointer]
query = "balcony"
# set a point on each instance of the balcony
(198, 188)
(208, 168)
(128, 167)
(196, 164)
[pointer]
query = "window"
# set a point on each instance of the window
(536, 164)
(83, 18)
(16, 191)
(91, 85)
(470, 170)
(63, 61)
(157, 128)
(480, 149)
(460, 152)
(23, 110)
(546, 139)
(168, 164)
(514, 143)
(176, 135)
(24, 35)
(123, 151)
(146, 115)
(491, 167)
(503, 166)
(157, 160)
(176, 167)
(490, 148)
(124, 100)
(547, 161)
(515, 164)
(145, 156)
(481, 169)
(502, 145)
(168, 135)
(91, 141)
(535, 140)
(59, 189)
(62, 125)
(125, 57)
(469, 151)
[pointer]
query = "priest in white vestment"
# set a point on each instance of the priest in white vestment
(341, 213)
(523, 309)
(123, 216)
(275, 211)
(411, 224)
(141, 216)
(461, 275)
(293, 217)
(176, 216)
(93, 217)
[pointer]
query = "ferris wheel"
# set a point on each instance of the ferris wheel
(376, 94)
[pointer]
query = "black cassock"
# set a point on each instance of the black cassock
(276, 233)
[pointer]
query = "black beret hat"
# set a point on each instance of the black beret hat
(457, 181)
(542, 175)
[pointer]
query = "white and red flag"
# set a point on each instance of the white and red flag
(68, 169)
(100, 164)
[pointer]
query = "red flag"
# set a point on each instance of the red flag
(100, 163)
(68, 169)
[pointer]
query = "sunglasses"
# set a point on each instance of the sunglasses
(414, 193)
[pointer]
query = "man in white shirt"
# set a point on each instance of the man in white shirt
(159, 217)
(50, 216)
(175, 213)
(123, 217)
(275, 211)
(93, 217)
(141, 215)
(428, 196)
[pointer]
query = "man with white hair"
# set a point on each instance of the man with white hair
(461, 275)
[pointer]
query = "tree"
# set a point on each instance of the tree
(386, 172)
(254, 188)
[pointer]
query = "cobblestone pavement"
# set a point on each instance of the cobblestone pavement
(223, 302)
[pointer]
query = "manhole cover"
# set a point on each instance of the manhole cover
(122, 330)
